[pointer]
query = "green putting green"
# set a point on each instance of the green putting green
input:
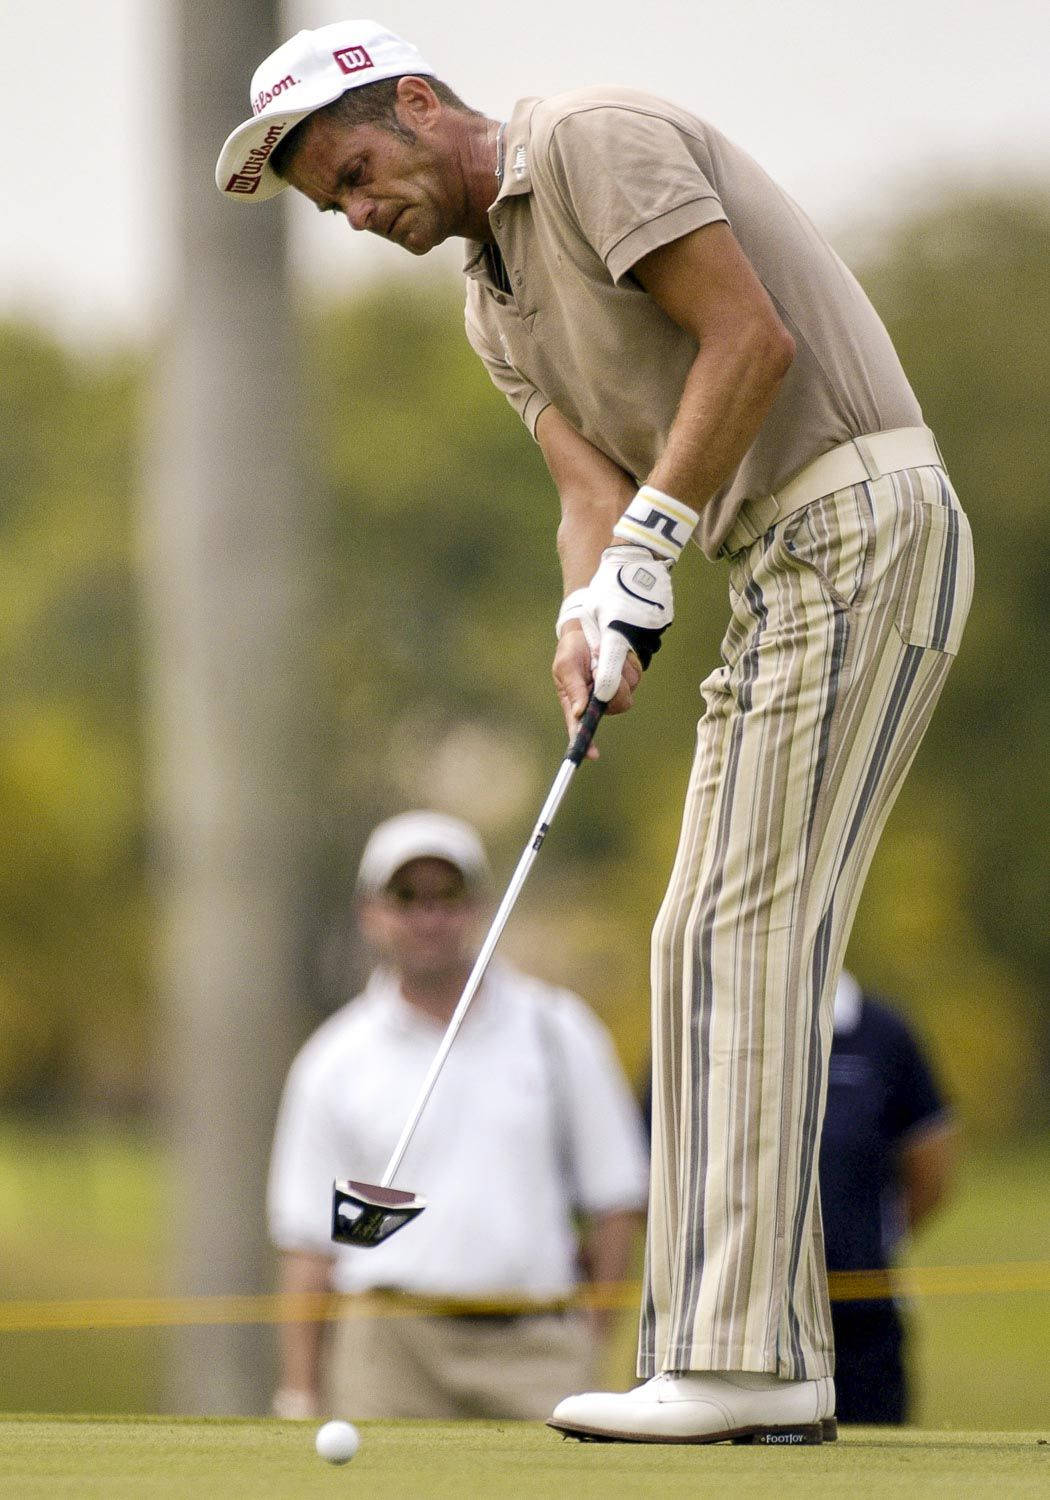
(156, 1458)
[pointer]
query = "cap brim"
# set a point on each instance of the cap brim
(376, 879)
(243, 169)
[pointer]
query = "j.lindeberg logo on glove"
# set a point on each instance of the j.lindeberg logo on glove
(657, 521)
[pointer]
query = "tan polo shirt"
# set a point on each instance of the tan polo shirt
(595, 180)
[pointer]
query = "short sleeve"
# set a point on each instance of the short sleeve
(630, 179)
(914, 1097)
(524, 397)
(608, 1160)
(304, 1161)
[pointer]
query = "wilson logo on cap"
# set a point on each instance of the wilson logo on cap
(247, 179)
(353, 59)
(264, 98)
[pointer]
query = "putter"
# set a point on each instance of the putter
(367, 1213)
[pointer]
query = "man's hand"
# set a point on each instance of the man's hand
(573, 676)
(621, 615)
(627, 605)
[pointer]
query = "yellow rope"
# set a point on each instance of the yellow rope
(172, 1312)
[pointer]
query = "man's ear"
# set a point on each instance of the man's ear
(416, 103)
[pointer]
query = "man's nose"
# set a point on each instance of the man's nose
(359, 212)
(431, 906)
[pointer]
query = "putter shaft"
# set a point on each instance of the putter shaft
(577, 751)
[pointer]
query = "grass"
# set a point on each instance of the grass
(110, 1247)
(980, 1358)
(158, 1459)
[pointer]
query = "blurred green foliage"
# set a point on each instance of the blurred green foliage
(440, 590)
(73, 918)
(955, 914)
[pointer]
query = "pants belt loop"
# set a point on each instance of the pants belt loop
(867, 458)
(751, 532)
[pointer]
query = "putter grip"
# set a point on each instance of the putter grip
(592, 716)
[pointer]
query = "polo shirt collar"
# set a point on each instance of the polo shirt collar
(517, 138)
(384, 991)
(517, 179)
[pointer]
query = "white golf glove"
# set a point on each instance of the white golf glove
(627, 605)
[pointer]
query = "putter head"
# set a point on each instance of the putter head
(365, 1214)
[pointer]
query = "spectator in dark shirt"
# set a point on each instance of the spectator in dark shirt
(886, 1159)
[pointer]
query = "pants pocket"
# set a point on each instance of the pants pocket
(832, 538)
(938, 587)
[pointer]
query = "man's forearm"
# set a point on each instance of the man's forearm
(727, 395)
(309, 1276)
(608, 1247)
(926, 1165)
(594, 492)
(583, 535)
(705, 284)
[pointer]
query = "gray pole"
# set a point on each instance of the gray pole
(227, 549)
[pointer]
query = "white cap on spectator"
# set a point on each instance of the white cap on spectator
(304, 74)
(421, 835)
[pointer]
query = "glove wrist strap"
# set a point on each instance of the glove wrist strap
(657, 521)
(572, 607)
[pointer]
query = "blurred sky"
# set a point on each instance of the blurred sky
(855, 106)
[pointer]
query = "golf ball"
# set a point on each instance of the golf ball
(337, 1442)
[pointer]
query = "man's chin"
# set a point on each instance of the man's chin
(417, 245)
(417, 237)
(436, 971)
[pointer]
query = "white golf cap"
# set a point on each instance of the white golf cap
(421, 835)
(304, 74)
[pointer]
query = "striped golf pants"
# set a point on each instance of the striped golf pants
(846, 617)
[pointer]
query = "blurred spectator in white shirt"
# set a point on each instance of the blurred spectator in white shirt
(531, 1154)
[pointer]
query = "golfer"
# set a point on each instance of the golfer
(696, 364)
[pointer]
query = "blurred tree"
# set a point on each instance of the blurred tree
(964, 291)
(988, 396)
(73, 920)
(442, 586)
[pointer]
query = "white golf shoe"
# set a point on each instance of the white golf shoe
(737, 1406)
